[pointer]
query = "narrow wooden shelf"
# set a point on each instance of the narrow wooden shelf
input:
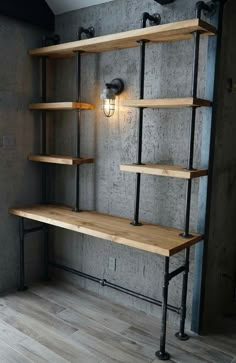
(60, 159)
(164, 170)
(152, 238)
(57, 106)
(181, 30)
(167, 103)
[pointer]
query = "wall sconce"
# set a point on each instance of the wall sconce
(108, 96)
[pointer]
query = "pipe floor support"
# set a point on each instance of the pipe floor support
(22, 286)
(162, 354)
(46, 253)
(181, 335)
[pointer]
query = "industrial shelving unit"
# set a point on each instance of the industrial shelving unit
(156, 239)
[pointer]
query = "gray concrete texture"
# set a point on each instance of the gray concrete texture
(19, 135)
(114, 141)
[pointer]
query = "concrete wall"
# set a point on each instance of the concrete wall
(19, 136)
(114, 141)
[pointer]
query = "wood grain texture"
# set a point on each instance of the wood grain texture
(152, 238)
(104, 332)
(57, 106)
(9, 355)
(164, 170)
(60, 159)
(181, 30)
(167, 103)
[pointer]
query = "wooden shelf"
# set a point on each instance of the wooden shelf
(60, 159)
(56, 106)
(152, 238)
(181, 30)
(164, 170)
(167, 103)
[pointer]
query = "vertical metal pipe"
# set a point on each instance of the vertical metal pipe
(192, 134)
(140, 132)
(77, 170)
(46, 253)
(162, 354)
(44, 129)
(194, 95)
(22, 255)
(181, 334)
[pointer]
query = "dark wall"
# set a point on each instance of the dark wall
(220, 274)
(19, 135)
(36, 12)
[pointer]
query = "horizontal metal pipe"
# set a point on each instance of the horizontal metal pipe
(176, 272)
(31, 230)
(104, 282)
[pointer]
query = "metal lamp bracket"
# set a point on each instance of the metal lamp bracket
(117, 85)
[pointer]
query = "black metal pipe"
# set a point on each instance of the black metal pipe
(140, 133)
(32, 230)
(162, 354)
(186, 234)
(77, 168)
(176, 272)
(106, 283)
(46, 253)
(22, 255)
(194, 95)
(143, 42)
(181, 335)
(44, 128)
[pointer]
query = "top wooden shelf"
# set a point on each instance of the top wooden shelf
(181, 30)
(149, 237)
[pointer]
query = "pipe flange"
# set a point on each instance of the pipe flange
(156, 19)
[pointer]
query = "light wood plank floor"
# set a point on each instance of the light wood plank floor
(58, 323)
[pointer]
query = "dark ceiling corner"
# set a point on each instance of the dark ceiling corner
(36, 12)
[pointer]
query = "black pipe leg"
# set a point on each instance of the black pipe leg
(22, 286)
(181, 335)
(46, 253)
(162, 354)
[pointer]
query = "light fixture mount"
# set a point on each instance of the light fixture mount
(117, 86)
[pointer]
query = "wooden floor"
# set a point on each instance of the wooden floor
(59, 323)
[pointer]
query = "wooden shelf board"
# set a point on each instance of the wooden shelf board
(54, 106)
(60, 159)
(164, 170)
(181, 30)
(167, 103)
(152, 238)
